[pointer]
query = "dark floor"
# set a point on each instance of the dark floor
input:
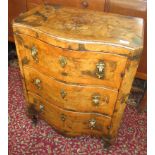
(138, 87)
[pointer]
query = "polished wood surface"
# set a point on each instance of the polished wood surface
(123, 94)
(71, 97)
(59, 65)
(68, 122)
(80, 65)
(15, 7)
(84, 4)
(141, 75)
(76, 25)
(135, 8)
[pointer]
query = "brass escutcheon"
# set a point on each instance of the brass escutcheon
(96, 99)
(63, 117)
(37, 83)
(41, 107)
(124, 98)
(34, 54)
(92, 123)
(63, 61)
(63, 93)
(25, 61)
(100, 69)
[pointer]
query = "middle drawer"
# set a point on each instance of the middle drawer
(71, 97)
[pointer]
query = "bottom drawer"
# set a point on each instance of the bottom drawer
(68, 122)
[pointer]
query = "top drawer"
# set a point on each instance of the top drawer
(74, 67)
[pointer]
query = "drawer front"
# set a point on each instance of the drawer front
(82, 67)
(70, 123)
(71, 97)
(89, 4)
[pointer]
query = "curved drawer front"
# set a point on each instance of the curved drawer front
(83, 67)
(70, 123)
(71, 97)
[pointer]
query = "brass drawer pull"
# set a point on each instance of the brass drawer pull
(96, 99)
(92, 123)
(34, 54)
(37, 83)
(25, 61)
(100, 69)
(63, 61)
(63, 93)
(84, 4)
(41, 107)
(63, 117)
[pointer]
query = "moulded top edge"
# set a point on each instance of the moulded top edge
(84, 26)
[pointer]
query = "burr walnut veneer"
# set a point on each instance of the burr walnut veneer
(78, 66)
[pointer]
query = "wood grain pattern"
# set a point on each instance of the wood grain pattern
(135, 8)
(21, 70)
(81, 66)
(70, 123)
(58, 55)
(76, 98)
(123, 94)
(78, 26)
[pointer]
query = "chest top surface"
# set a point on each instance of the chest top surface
(84, 26)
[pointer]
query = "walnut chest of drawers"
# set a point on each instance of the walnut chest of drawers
(78, 66)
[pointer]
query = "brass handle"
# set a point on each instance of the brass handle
(96, 99)
(37, 83)
(63, 93)
(25, 61)
(63, 61)
(124, 98)
(100, 69)
(34, 54)
(92, 123)
(41, 107)
(63, 117)
(84, 4)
